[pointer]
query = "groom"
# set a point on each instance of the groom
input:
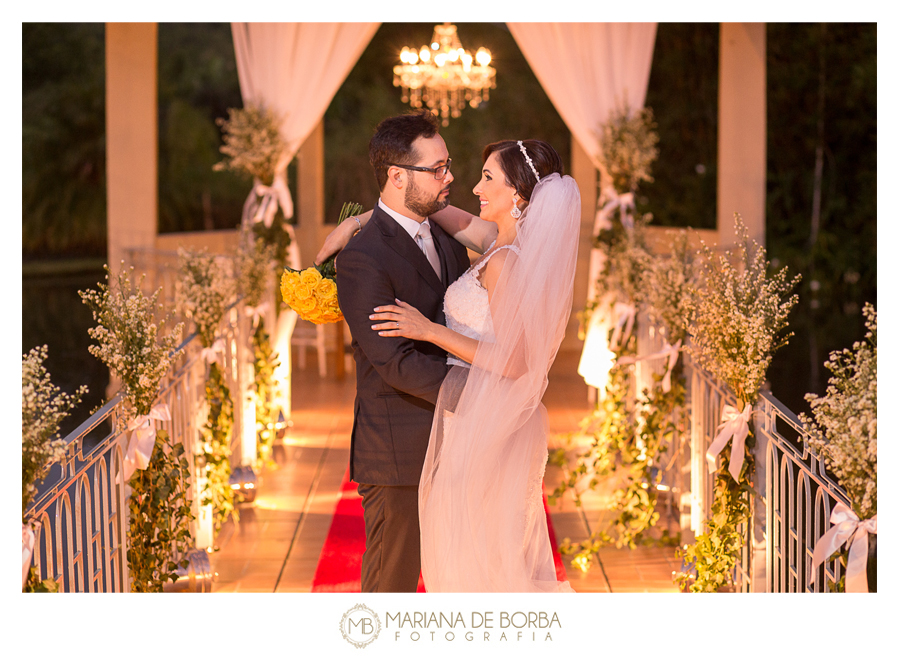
(399, 254)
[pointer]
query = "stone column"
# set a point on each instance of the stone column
(742, 189)
(742, 130)
(131, 138)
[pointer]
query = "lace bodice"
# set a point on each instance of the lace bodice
(466, 305)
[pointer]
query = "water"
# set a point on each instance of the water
(54, 315)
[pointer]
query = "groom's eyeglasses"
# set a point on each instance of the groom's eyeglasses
(440, 172)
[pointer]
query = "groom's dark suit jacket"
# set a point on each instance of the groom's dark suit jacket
(397, 379)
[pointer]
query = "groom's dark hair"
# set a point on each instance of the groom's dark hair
(393, 138)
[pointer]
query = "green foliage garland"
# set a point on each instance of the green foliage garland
(216, 456)
(715, 553)
(138, 351)
(660, 420)
(735, 324)
(206, 290)
(160, 514)
(277, 237)
(625, 438)
(609, 426)
(264, 364)
(628, 442)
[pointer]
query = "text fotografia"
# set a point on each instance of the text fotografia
(479, 626)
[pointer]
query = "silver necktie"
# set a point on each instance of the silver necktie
(426, 244)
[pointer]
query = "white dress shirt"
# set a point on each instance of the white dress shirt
(413, 227)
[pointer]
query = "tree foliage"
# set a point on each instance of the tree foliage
(821, 94)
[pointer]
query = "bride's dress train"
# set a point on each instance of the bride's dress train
(481, 513)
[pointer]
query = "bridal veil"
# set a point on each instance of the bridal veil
(480, 497)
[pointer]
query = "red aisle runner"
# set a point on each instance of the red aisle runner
(341, 558)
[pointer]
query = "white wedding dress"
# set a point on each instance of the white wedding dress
(483, 526)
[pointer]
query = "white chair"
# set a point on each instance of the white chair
(306, 334)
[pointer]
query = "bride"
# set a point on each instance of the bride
(483, 527)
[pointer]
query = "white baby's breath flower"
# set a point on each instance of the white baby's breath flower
(130, 341)
(735, 321)
(253, 143)
(254, 263)
(628, 147)
(668, 285)
(207, 290)
(44, 407)
(844, 426)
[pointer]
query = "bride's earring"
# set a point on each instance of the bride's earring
(515, 212)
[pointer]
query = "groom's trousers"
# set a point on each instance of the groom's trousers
(391, 561)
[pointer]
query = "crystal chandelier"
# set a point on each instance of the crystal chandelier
(444, 76)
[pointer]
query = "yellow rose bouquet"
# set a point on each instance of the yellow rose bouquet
(312, 292)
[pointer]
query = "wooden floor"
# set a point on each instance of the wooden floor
(275, 547)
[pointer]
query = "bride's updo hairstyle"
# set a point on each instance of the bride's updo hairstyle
(518, 172)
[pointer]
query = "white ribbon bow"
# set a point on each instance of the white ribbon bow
(256, 312)
(264, 200)
(143, 438)
(671, 351)
(847, 529)
(624, 203)
(735, 425)
(211, 353)
(624, 322)
(27, 550)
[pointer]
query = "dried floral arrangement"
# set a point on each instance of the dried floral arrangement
(253, 143)
(843, 431)
(140, 352)
(736, 324)
(628, 147)
(844, 424)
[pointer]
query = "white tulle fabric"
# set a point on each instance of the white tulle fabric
(480, 496)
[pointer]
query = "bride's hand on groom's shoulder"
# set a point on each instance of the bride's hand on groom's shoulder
(401, 320)
(335, 241)
(341, 235)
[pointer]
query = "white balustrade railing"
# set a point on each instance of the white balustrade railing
(800, 495)
(81, 509)
(796, 493)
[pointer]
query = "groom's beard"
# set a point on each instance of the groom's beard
(417, 202)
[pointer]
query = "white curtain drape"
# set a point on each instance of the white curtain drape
(588, 70)
(294, 70)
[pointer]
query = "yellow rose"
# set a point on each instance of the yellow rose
(325, 289)
(310, 276)
(306, 305)
(311, 295)
(289, 280)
